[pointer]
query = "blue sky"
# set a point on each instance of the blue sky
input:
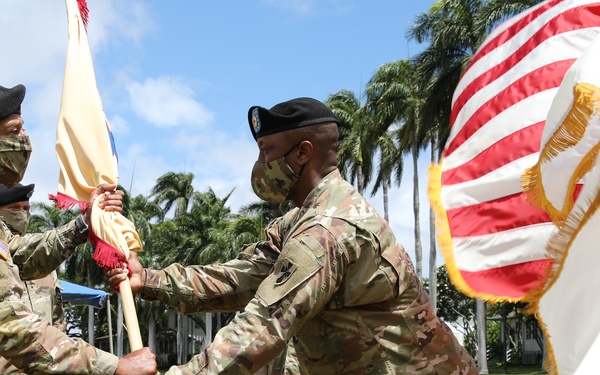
(177, 78)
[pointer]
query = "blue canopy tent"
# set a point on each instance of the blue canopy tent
(81, 295)
(77, 294)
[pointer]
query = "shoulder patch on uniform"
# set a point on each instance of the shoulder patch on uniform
(295, 265)
(3, 250)
(285, 272)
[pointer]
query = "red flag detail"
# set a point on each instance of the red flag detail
(84, 12)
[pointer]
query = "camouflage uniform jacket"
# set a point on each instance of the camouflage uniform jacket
(44, 298)
(341, 288)
(27, 341)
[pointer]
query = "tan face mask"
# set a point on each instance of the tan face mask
(273, 181)
(16, 220)
(14, 157)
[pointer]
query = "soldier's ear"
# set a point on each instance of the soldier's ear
(305, 152)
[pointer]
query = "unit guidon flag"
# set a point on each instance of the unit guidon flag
(87, 159)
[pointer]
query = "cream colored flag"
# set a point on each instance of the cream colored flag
(568, 306)
(87, 158)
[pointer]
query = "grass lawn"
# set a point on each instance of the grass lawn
(517, 370)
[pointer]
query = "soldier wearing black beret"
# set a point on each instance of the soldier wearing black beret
(331, 278)
(19, 193)
(293, 114)
(14, 207)
(10, 100)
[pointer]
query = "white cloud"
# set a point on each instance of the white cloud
(114, 22)
(34, 35)
(139, 168)
(118, 125)
(212, 152)
(167, 102)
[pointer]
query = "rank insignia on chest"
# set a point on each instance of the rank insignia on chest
(286, 270)
(3, 250)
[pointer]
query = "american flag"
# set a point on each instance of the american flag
(493, 240)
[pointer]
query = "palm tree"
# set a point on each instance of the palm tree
(394, 96)
(46, 217)
(355, 147)
(390, 160)
(264, 212)
(174, 189)
(495, 11)
(141, 211)
(212, 214)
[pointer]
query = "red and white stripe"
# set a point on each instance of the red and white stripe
(498, 115)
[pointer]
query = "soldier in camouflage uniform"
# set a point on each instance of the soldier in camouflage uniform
(28, 342)
(330, 276)
(43, 295)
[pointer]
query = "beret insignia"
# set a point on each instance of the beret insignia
(255, 120)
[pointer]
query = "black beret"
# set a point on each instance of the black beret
(10, 100)
(19, 193)
(293, 114)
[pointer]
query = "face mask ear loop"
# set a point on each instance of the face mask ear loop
(287, 153)
(292, 149)
(301, 170)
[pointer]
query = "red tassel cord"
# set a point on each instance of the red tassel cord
(84, 11)
(64, 202)
(107, 256)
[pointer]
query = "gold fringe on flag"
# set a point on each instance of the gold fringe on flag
(557, 251)
(586, 104)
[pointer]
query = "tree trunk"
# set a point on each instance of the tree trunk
(152, 330)
(432, 245)
(90, 312)
(119, 328)
(385, 186)
(186, 338)
(416, 208)
(504, 333)
(208, 337)
(180, 332)
(480, 316)
(359, 178)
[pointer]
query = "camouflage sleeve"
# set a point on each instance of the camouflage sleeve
(59, 320)
(217, 287)
(32, 344)
(305, 277)
(38, 254)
